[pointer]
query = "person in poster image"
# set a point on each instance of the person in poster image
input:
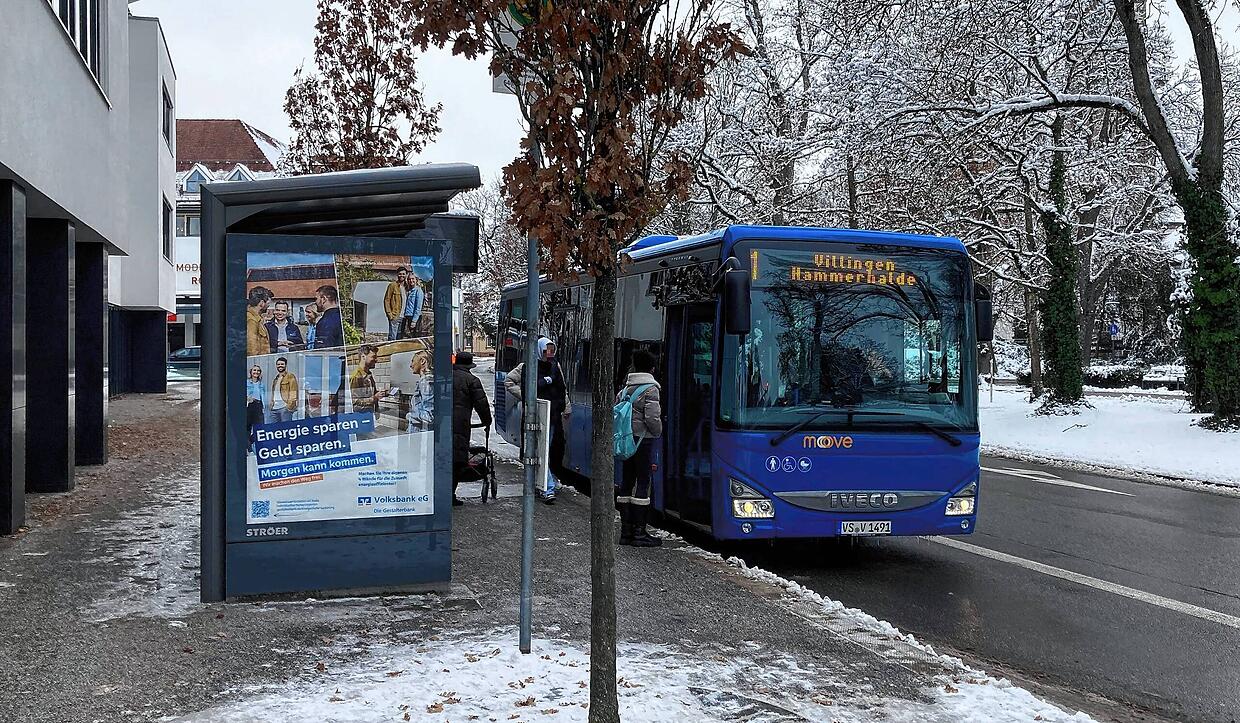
(284, 393)
(422, 400)
(256, 339)
(312, 316)
(255, 402)
(414, 300)
(362, 382)
(282, 333)
(394, 302)
(328, 331)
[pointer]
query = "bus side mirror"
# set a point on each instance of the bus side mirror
(983, 313)
(736, 302)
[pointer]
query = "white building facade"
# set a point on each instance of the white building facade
(141, 285)
(79, 182)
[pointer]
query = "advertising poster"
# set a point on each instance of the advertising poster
(339, 386)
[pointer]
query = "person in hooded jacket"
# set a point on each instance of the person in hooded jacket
(468, 397)
(553, 388)
(634, 494)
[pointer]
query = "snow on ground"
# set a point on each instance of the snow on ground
(482, 676)
(1148, 436)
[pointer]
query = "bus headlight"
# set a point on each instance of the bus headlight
(964, 502)
(961, 505)
(752, 509)
(748, 503)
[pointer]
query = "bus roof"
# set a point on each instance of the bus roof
(653, 246)
(660, 245)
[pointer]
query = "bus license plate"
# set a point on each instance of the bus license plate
(867, 527)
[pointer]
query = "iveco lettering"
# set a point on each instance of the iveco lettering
(816, 382)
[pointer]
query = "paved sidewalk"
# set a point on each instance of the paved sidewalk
(100, 621)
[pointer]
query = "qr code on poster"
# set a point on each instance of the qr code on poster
(260, 508)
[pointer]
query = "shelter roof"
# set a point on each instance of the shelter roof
(370, 202)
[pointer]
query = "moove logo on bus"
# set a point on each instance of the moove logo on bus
(827, 441)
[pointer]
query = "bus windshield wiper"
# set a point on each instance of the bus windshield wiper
(945, 436)
(850, 411)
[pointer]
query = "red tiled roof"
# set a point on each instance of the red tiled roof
(222, 144)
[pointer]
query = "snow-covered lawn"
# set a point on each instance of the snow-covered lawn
(482, 676)
(1143, 435)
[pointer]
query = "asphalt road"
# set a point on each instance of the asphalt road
(1118, 597)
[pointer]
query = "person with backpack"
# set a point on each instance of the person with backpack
(639, 405)
(553, 388)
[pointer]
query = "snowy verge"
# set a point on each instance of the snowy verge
(1152, 439)
(481, 676)
(991, 698)
(1226, 489)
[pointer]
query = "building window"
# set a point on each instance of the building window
(194, 181)
(80, 19)
(189, 225)
(167, 230)
(169, 118)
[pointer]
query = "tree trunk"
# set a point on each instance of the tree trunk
(1212, 321)
(1035, 344)
(1089, 289)
(1031, 314)
(604, 705)
(852, 193)
(1060, 326)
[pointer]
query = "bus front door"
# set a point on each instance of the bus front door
(689, 372)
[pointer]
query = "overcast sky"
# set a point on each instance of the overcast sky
(235, 59)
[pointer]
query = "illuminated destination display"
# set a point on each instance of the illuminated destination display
(847, 269)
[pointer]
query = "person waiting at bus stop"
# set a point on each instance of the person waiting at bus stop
(552, 387)
(634, 495)
(468, 397)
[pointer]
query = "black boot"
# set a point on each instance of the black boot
(641, 537)
(626, 523)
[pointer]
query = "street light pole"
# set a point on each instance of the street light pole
(529, 422)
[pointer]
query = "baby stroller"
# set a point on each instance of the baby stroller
(480, 466)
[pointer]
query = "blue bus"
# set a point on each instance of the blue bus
(816, 382)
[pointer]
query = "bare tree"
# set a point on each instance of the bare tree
(603, 83)
(501, 257)
(361, 106)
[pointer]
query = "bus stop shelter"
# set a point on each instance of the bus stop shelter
(327, 345)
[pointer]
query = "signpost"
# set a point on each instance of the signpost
(503, 84)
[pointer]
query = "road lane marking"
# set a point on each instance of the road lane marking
(1111, 587)
(1047, 478)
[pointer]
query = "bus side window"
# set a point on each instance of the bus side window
(511, 335)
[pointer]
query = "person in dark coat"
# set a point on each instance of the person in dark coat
(329, 329)
(282, 333)
(554, 388)
(468, 397)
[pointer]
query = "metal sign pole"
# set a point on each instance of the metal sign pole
(529, 393)
(530, 424)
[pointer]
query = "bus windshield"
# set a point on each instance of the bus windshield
(852, 335)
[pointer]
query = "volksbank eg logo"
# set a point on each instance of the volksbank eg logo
(363, 501)
(827, 441)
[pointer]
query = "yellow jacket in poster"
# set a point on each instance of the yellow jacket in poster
(256, 340)
(393, 301)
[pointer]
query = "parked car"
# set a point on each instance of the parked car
(185, 362)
